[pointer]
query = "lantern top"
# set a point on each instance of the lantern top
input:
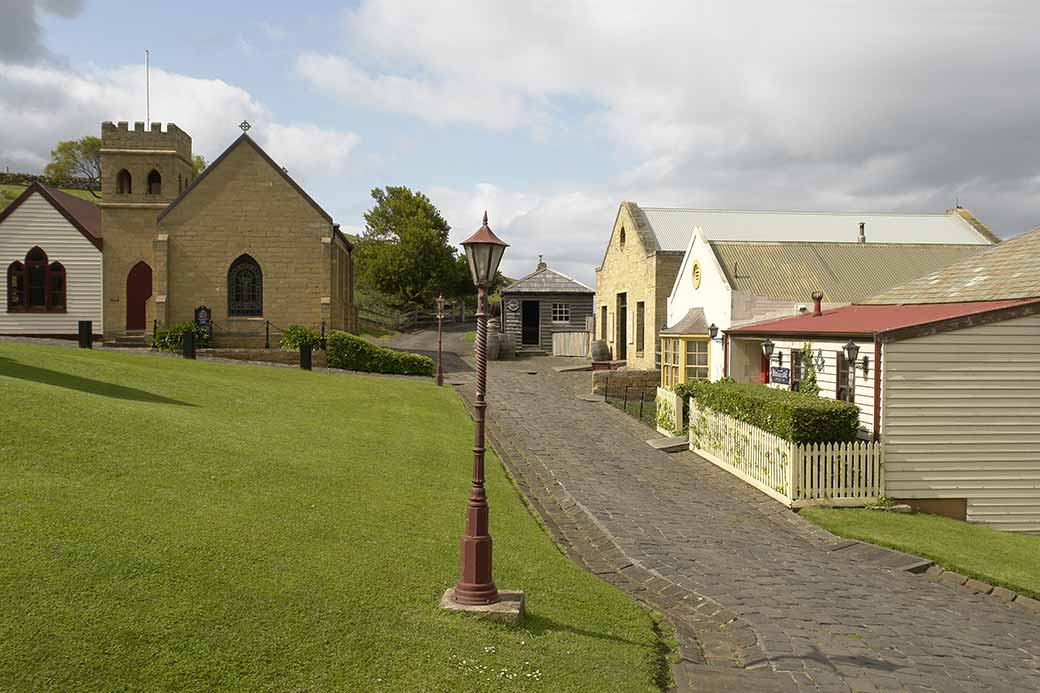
(484, 235)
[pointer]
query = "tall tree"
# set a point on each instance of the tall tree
(198, 165)
(404, 250)
(77, 159)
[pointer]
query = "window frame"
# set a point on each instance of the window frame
(564, 310)
(19, 274)
(675, 363)
(640, 326)
(845, 379)
(796, 370)
(238, 307)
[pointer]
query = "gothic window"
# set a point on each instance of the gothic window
(124, 184)
(154, 183)
(245, 287)
(36, 285)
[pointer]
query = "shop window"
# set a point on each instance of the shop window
(696, 359)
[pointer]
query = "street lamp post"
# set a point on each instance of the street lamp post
(440, 358)
(476, 586)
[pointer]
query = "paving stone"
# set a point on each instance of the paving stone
(1004, 594)
(953, 579)
(1027, 603)
(750, 586)
(978, 586)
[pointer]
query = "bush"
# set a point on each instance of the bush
(793, 416)
(294, 336)
(169, 338)
(355, 354)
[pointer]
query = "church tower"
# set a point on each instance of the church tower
(142, 171)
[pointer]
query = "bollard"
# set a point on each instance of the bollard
(305, 356)
(188, 345)
(86, 334)
(267, 334)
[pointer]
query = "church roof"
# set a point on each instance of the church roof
(547, 281)
(83, 214)
(246, 139)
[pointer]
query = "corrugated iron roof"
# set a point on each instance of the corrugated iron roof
(547, 281)
(1006, 271)
(844, 272)
(863, 320)
(674, 227)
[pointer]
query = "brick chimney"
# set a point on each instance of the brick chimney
(817, 304)
(541, 265)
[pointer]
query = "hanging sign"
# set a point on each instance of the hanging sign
(780, 376)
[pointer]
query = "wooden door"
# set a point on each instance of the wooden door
(530, 323)
(138, 291)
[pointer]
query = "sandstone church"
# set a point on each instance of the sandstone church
(242, 239)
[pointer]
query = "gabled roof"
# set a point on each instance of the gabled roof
(844, 272)
(693, 322)
(871, 320)
(245, 139)
(547, 281)
(673, 227)
(1006, 271)
(83, 214)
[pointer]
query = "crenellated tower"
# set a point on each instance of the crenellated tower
(142, 171)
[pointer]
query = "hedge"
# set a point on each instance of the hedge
(793, 416)
(169, 338)
(355, 354)
(294, 336)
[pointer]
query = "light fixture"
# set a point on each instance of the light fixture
(713, 331)
(851, 351)
(767, 347)
(483, 252)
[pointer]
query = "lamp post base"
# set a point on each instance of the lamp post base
(509, 608)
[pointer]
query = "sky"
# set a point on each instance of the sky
(550, 113)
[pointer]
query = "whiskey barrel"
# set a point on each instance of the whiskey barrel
(600, 350)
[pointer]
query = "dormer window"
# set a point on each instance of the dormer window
(124, 185)
(154, 183)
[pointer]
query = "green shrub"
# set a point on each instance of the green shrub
(355, 354)
(808, 386)
(793, 416)
(295, 336)
(169, 338)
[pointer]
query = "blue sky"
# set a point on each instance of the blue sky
(550, 114)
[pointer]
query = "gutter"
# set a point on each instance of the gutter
(877, 388)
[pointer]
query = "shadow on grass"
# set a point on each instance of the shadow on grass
(22, 371)
(537, 625)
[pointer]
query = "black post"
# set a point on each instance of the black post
(86, 334)
(267, 334)
(155, 328)
(305, 356)
(641, 393)
(188, 345)
(323, 334)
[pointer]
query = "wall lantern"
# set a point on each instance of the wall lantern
(851, 351)
(713, 331)
(767, 348)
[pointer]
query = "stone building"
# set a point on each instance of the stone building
(242, 238)
(543, 304)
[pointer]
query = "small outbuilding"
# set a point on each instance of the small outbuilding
(945, 370)
(547, 312)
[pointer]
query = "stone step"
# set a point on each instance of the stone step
(670, 444)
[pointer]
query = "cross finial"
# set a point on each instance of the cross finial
(244, 126)
(485, 217)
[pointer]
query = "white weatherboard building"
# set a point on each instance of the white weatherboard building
(743, 267)
(947, 377)
(50, 249)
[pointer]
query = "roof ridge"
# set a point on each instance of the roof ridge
(797, 211)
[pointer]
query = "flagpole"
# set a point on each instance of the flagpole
(147, 88)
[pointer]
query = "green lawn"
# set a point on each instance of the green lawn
(999, 558)
(9, 193)
(191, 525)
(470, 336)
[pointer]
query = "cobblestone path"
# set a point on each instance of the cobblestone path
(758, 601)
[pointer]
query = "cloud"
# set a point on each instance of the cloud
(877, 106)
(41, 104)
(20, 31)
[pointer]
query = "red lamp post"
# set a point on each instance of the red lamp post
(476, 586)
(440, 359)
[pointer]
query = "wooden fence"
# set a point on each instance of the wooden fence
(570, 344)
(797, 475)
(669, 412)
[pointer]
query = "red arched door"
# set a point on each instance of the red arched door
(138, 291)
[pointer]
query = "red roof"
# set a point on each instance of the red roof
(873, 319)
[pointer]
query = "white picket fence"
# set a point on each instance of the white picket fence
(669, 412)
(797, 475)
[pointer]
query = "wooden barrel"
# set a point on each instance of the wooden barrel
(600, 350)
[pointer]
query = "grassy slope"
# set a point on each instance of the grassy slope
(8, 194)
(176, 524)
(999, 558)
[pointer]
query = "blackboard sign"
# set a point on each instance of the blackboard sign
(781, 376)
(202, 316)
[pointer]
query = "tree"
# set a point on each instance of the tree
(809, 386)
(404, 250)
(198, 165)
(77, 159)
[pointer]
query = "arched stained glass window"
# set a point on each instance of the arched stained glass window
(245, 287)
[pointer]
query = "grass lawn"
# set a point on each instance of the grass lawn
(375, 331)
(470, 336)
(999, 558)
(191, 525)
(9, 193)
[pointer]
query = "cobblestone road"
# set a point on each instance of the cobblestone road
(758, 600)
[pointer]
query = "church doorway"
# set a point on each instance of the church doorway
(138, 291)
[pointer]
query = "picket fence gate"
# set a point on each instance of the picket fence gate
(798, 475)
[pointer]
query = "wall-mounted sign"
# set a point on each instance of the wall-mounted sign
(819, 361)
(202, 316)
(512, 305)
(780, 376)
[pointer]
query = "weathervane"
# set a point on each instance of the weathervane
(244, 126)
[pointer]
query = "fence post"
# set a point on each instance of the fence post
(794, 472)
(642, 393)
(267, 334)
